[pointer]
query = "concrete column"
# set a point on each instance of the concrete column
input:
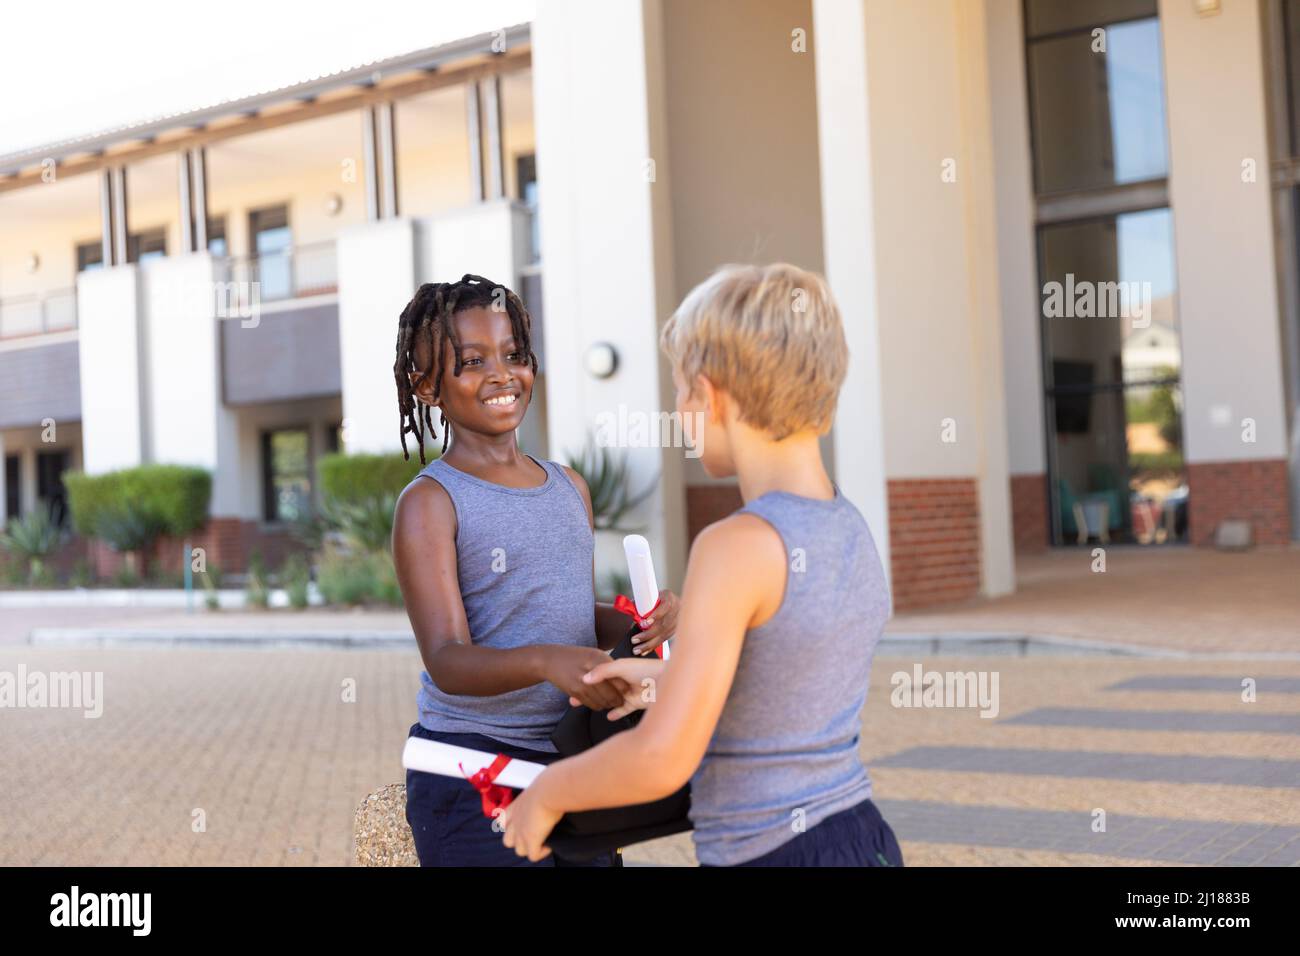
(4, 495)
(598, 81)
(911, 231)
(27, 480)
(199, 191)
(980, 194)
(849, 248)
(186, 209)
(370, 159)
(376, 263)
(474, 129)
(189, 422)
(387, 159)
(1220, 192)
(113, 409)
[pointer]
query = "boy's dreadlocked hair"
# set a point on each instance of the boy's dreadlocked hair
(427, 318)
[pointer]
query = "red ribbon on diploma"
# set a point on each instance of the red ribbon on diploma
(625, 605)
(495, 797)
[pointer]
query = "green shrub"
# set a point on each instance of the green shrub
(351, 578)
(296, 575)
(256, 592)
(126, 577)
(355, 479)
(81, 576)
(358, 496)
(130, 508)
(32, 539)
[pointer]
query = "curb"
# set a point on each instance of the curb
(891, 645)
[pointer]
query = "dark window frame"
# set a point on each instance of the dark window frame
(270, 500)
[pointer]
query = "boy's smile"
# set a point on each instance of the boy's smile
(491, 393)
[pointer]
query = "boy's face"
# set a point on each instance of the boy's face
(701, 412)
(491, 394)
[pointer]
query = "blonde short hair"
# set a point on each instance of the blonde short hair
(770, 337)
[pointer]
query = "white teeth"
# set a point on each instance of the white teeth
(501, 400)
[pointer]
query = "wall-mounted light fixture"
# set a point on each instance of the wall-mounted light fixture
(1208, 8)
(602, 360)
(333, 203)
(33, 262)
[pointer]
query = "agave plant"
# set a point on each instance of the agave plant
(607, 478)
(33, 538)
(367, 524)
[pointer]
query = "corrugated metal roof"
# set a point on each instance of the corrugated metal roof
(428, 58)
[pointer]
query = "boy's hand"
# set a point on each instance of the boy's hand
(528, 821)
(637, 678)
(566, 666)
(661, 625)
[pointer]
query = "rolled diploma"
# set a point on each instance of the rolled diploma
(641, 570)
(431, 756)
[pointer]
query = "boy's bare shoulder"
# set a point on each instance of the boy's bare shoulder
(744, 557)
(424, 507)
(742, 539)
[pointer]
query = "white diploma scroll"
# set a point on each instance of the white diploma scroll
(431, 756)
(641, 571)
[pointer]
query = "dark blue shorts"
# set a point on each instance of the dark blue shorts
(858, 836)
(446, 814)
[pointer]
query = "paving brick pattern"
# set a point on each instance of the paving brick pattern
(1212, 722)
(1146, 838)
(276, 750)
(1105, 765)
(1200, 682)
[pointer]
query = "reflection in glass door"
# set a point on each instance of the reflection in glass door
(1112, 370)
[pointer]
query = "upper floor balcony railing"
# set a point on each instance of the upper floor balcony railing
(54, 311)
(291, 273)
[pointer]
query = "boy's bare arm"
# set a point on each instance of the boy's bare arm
(735, 581)
(424, 554)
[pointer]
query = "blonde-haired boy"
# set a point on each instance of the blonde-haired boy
(783, 605)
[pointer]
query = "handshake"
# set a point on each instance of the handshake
(590, 677)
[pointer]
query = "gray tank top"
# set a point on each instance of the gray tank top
(784, 755)
(524, 560)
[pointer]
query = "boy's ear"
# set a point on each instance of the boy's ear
(715, 400)
(422, 388)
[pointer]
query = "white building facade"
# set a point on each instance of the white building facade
(953, 166)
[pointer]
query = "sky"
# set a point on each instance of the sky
(81, 66)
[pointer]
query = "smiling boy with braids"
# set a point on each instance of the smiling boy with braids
(493, 550)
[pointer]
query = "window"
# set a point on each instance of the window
(90, 255)
(526, 177)
(1109, 326)
(140, 247)
(13, 497)
(334, 438)
(286, 474)
(217, 236)
(143, 246)
(270, 243)
(1096, 93)
(50, 493)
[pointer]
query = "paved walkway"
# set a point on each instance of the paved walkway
(236, 756)
(264, 749)
(1189, 599)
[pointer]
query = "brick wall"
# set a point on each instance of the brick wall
(1029, 512)
(1254, 491)
(934, 541)
(706, 504)
(228, 543)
